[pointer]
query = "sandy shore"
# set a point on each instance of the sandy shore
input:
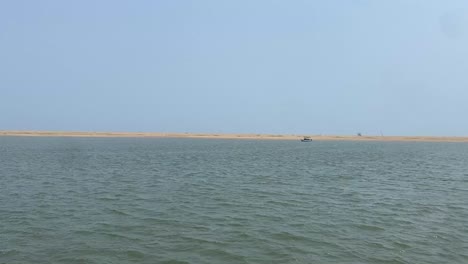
(228, 136)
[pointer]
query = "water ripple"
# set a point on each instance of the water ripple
(225, 201)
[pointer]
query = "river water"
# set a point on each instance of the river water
(142, 200)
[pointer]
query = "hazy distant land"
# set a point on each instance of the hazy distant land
(228, 136)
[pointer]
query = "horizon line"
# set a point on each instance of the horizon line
(258, 136)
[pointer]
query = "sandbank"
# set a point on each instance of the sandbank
(229, 136)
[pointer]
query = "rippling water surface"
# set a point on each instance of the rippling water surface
(111, 200)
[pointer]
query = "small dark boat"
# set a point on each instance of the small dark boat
(306, 139)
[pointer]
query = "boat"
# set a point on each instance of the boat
(306, 139)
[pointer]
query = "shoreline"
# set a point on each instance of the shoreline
(30, 133)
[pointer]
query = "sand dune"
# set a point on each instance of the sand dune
(229, 136)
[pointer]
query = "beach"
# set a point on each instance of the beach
(31, 133)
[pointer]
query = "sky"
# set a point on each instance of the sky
(395, 67)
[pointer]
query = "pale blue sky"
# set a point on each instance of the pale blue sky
(302, 67)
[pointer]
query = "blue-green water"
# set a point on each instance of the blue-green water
(111, 200)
